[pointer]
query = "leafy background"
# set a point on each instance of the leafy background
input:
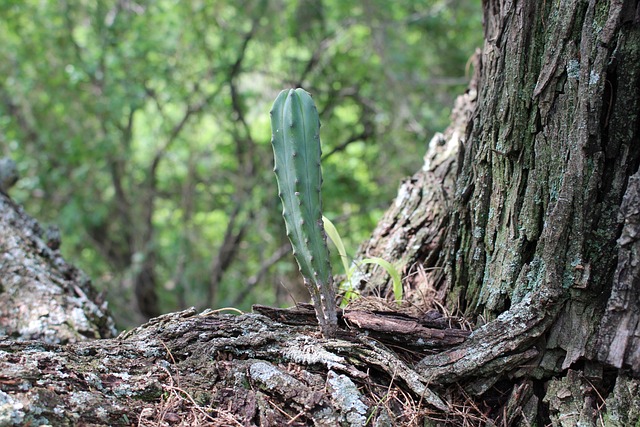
(141, 129)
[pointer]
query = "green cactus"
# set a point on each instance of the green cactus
(295, 138)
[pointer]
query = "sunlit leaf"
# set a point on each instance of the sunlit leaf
(393, 272)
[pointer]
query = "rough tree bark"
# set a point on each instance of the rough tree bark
(539, 239)
(41, 296)
(523, 222)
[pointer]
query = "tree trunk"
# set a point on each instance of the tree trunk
(540, 237)
(523, 222)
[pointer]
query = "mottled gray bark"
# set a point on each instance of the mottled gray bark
(532, 249)
(210, 368)
(619, 334)
(42, 297)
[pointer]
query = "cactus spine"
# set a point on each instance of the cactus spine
(295, 138)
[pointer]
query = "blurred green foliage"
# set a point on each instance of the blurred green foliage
(141, 128)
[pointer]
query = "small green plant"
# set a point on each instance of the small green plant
(333, 234)
(393, 272)
(295, 138)
(295, 127)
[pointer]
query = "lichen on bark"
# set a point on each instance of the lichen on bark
(42, 297)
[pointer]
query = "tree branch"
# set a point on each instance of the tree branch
(362, 136)
(254, 280)
(226, 253)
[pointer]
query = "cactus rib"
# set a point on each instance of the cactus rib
(296, 147)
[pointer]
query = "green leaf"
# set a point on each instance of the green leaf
(333, 234)
(393, 272)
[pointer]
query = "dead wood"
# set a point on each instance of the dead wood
(42, 297)
(247, 368)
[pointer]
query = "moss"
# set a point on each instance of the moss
(600, 16)
(150, 394)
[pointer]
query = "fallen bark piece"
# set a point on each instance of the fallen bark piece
(390, 327)
(408, 332)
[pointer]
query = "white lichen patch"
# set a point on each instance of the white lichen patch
(273, 378)
(257, 319)
(573, 69)
(122, 375)
(94, 381)
(102, 414)
(154, 352)
(163, 363)
(123, 390)
(80, 321)
(403, 195)
(347, 398)
(308, 353)
(360, 277)
(81, 398)
(11, 413)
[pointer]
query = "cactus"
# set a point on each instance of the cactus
(295, 138)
